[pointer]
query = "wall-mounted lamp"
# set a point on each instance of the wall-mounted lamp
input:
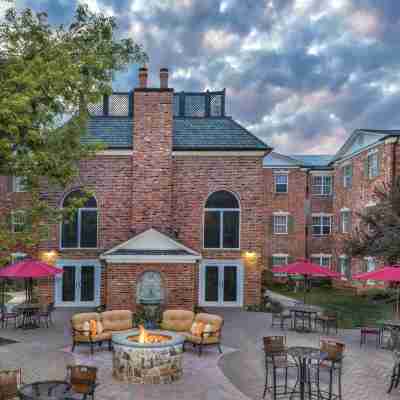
(49, 257)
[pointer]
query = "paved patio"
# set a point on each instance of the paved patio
(237, 375)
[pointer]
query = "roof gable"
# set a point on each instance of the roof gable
(150, 246)
(275, 159)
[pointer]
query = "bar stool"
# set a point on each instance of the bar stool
(276, 360)
(330, 364)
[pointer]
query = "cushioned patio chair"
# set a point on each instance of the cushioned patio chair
(82, 379)
(6, 316)
(10, 382)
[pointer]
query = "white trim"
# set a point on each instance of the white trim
(316, 255)
(372, 151)
(286, 167)
(345, 209)
(111, 152)
(343, 212)
(219, 153)
(78, 263)
(322, 173)
(280, 171)
(286, 215)
(21, 223)
(279, 255)
(221, 264)
(343, 256)
(281, 213)
(358, 152)
(129, 259)
(370, 204)
(322, 214)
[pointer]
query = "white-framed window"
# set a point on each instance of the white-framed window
(281, 182)
(222, 221)
(321, 185)
(324, 260)
(321, 224)
(18, 221)
(347, 176)
(345, 220)
(18, 184)
(373, 164)
(18, 256)
(280, 224)
(279, 259)
(80, 231)
(370, 264)
(345, 266)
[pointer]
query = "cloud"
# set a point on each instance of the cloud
(301, 74)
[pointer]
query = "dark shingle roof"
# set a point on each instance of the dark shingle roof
(213, 133)
(115, 132)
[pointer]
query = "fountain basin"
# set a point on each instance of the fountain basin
(155, 362)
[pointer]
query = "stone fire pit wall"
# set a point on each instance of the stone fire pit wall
(147, 363)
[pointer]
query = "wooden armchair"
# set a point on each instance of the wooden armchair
(82, 379)
(10, 382)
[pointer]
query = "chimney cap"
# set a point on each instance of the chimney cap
(163, 69)
(143, 69)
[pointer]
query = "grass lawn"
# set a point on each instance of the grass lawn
(353, 310)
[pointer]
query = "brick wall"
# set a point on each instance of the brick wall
(194, 179)
(179, 281)
(293, 202)
(152, 159)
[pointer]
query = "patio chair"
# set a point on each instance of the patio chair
(395, 377)
(276, 360)
(328, 319)
(10, 382)
(279, 314)
(370, 329)
(46, 315)
(8, 316)
(82, 379)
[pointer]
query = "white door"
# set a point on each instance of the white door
(79, 285)
(221, 284)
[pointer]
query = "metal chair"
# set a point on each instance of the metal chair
(328, 319)
(370, 329)
(46, 315)
(8, 316)
(281, 315)
(10, 382)
(276, 359)
(82, 379)
(330, 367)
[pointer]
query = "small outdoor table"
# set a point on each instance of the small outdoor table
(305, 314)
(46, 390)
(302, 355)
(29, 311)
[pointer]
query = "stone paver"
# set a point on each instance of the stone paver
(237, 375)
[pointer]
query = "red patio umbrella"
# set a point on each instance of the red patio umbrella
(29, 269)
(389, 273)
(307, 269)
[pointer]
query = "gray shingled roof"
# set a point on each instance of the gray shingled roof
(213, 133)
(313, 160)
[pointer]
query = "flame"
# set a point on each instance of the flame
(143, 335)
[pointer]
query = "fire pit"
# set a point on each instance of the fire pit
(142, 356)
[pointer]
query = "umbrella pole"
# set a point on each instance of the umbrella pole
(305, 288)
(397, 301)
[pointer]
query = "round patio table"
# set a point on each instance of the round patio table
(29, 312)
(46, 390)
(301, 355)
(306, 314)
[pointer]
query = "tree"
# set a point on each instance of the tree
(378, 234)
(48, 76)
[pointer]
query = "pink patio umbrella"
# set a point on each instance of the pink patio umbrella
(307, 269)
(29, 270)
(389, 273)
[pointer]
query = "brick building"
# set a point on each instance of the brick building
(313, 201)
(189, 207)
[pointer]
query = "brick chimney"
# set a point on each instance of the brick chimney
(143, 74)
(164, 78)
(152, 156)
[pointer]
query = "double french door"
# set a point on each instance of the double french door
(221, 284)
(79, 285)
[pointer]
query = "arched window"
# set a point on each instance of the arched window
(221, 221)
(81, 230)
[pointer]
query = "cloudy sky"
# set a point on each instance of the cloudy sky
(301, 74)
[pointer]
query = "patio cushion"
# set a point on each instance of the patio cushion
(117, 320)
(214, 320)
(177, 320)
(78, 320)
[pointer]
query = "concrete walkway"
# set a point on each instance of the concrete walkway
(237, 375)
